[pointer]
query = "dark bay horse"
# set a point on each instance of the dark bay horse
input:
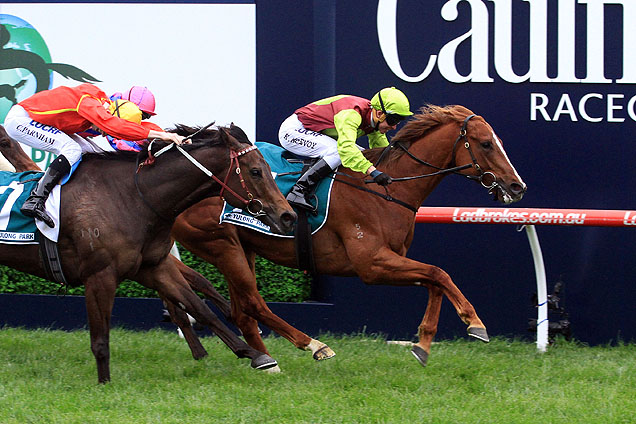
(115, 225)
(369, 242)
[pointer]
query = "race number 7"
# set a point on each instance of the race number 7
(5, 213)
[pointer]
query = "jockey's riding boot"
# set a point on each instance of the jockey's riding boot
(306, 184)
(34, 204)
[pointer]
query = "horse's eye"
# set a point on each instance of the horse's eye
(255, 172)
(486, 144)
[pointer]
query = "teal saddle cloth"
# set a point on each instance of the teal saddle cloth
(15, 228)
(285, 173)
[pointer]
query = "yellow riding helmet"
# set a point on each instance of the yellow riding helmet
(391, 101)
(125, 109)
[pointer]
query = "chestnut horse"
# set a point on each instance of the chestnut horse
(370, 243)
(128, 211)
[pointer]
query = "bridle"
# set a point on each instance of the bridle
(463, 135)
(440, 171)
(250, 204)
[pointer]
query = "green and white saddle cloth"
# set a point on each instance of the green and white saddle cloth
(15, 228)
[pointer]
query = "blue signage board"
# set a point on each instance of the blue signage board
(555, 79)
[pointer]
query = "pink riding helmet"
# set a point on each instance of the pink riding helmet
(142, 97)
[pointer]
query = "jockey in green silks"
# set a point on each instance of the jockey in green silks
(328, 129)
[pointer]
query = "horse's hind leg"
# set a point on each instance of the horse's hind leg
(100, 297)
(180, 318)
(199, 283)
(168, 281)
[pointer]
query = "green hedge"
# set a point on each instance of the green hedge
(276, 283)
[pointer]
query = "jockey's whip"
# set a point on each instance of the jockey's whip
(199, 130)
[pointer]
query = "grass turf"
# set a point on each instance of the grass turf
(50, 377)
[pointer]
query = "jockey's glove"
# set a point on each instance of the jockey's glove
(381, 178)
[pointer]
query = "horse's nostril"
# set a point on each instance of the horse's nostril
(288, 218)
(517, 188)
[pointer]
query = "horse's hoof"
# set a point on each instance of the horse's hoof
(264, 362)
(478, 333)
(420, 354)
(319, 350)
(323, 353)
(273, 370)
(199, 355)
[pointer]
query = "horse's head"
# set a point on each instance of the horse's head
(478, 145)
(248, 181)
(452, 139)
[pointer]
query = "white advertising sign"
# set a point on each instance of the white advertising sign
(199, 60)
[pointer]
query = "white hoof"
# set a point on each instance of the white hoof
(320, 350)
(272, 370)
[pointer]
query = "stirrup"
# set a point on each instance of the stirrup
(300, 201)
(31, 205)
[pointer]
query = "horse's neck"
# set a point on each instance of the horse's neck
(434, 148)
(176, 184)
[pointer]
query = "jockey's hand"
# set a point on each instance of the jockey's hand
(168, 136)
(381, 178)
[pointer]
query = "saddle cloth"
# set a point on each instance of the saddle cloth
(280, 165)
(16, 228)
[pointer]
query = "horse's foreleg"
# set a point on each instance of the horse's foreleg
(168, 281)
(387, 267)
(180, 318)
(247, 325)
(100, 297)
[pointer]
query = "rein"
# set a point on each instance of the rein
(386, 196)
(440, 171)
(252, 205)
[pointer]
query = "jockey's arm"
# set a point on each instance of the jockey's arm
(347, 123)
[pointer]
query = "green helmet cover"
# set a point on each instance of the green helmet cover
(393, 100)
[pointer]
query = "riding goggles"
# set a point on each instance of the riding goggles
(391, 118)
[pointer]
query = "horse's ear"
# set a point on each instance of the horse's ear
(239, 134)
(229, 140)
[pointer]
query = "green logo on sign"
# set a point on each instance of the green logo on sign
(26, 67)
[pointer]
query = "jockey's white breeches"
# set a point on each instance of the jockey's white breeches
(294, 137)
(23, 129)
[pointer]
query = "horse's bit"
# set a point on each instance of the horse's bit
(251, 205)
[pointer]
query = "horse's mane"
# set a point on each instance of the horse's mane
(211, 134)
(428, 118)
(207, 137)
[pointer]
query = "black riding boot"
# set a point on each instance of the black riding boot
(34, 204)
(306, 184)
